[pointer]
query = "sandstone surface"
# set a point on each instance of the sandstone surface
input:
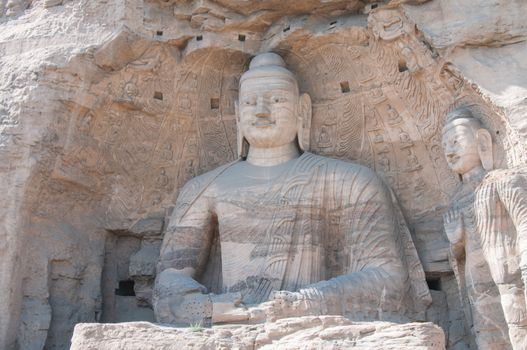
(107, 107)
(328, 332)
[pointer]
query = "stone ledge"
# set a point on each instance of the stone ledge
(309, 332)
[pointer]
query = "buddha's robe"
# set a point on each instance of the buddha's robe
(312, 222)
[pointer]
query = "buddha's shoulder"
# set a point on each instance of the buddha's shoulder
(505, 176)
(205, 180)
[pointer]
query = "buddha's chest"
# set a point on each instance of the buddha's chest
(249, 206)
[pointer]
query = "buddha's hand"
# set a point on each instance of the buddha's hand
(179, 299)
(228, 308)
(453, 223)
(283, 304)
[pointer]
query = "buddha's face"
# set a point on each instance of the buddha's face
(268, 111)
(460, 147)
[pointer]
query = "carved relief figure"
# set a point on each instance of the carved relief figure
(282, 233)
(468, 150)
(501, 219)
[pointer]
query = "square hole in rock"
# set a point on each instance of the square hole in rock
(344, 86)
(402, 66)
(241, 37)
(214, 103)
(158, 95)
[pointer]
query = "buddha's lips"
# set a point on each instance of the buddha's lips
(453, 160)
(263, 122)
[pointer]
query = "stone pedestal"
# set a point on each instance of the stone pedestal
(309, 332)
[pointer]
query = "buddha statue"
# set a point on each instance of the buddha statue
(486, 225)
(282, 232)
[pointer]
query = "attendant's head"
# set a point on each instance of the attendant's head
(466, 143)
(270, 111)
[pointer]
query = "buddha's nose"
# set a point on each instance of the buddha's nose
(262, 110)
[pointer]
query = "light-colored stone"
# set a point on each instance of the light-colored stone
(486, 227)
(486, 41)
(293, 333)
(51, 3)
(296, 234)
(478, 291)
(107, 107)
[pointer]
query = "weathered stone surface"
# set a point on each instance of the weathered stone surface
(152, 226)
(294, 333)
(486, 42)
(290, 244)
(91, 146)
(483, 66)
(486, 225)
(453, 23)
(51, 3)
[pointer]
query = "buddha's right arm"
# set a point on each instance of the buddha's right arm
(178, 297)
(183, 256)
(188, 236)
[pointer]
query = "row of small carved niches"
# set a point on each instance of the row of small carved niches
(152, 126)
(379, 99)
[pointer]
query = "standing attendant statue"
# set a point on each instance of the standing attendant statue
(487, 228)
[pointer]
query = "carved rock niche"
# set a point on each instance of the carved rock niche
(138, 116)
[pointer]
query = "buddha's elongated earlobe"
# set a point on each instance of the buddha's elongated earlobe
(242, 144)
(304, 122)
(484, 141)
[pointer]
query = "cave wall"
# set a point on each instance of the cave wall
(108, 107)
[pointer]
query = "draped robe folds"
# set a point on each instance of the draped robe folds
(312, 222)
(501, 207)
(479, 294)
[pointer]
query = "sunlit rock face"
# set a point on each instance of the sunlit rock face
(107, 108)
(309, 332)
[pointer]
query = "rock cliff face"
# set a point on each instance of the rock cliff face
(107, 107)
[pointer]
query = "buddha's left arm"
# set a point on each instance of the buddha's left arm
(374, 275)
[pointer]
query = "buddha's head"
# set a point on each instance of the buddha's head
(466, 143)
(271, 112)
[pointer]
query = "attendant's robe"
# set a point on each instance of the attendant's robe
(312, 222)
(479, 294)
(501, 208)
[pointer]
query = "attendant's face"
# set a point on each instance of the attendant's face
(268, 111)
(460, 147)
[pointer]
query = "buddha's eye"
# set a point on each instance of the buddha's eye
(249, 101)
(278, 99)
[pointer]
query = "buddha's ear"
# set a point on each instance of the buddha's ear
(304, 121)
(484, 141)
(242, 145)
